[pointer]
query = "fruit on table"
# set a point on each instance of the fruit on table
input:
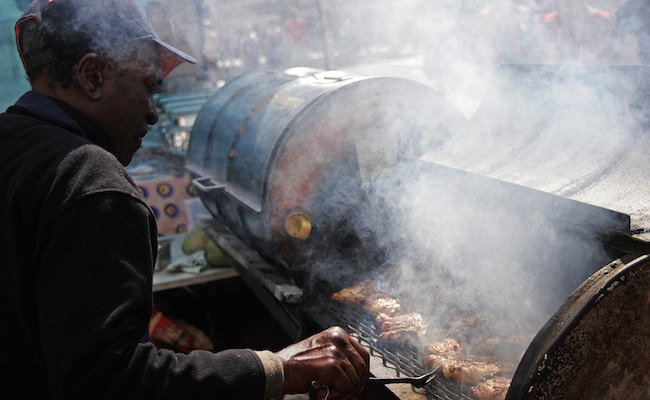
(214, 255)
(195, 240)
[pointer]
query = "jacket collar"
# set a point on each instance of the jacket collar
(64, 116)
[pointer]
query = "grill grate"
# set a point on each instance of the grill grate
(405, 359)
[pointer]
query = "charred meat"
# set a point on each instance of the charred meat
(468, 372)
(494, 388)
(443, 352)
(448, 347)
(446, 355)
(355, 294)
(402, 327)
(379, 303)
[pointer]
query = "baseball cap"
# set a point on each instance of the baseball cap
(75, 27)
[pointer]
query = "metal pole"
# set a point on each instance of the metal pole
(326, 34)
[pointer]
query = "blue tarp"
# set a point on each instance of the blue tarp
(13, 81)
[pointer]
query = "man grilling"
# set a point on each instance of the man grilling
(78, 241)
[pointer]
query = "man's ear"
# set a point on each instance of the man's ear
(91, 73)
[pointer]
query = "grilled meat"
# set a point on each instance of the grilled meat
(355, 294)
(447, 347)
(446, 355)
(381, 318)
(494, 388)
(379, 303)
(468, 372)
(401, 327)
(443, 352)
(438, 360)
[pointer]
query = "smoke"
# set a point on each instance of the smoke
(480, 223)
(463, 242)
(477, 219)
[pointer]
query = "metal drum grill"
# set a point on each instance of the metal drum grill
(268, 148)
(301, 186)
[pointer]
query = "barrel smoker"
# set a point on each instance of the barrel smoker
(303, 172)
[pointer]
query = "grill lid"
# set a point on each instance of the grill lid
(595, 346)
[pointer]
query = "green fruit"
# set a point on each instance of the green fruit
(195, 240)
(214, 256)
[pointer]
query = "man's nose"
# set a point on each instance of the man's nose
(152, 115)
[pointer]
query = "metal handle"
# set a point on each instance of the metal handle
(206, 184)
(417, 381)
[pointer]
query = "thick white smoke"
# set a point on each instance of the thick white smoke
(544, 109)
(547, 99)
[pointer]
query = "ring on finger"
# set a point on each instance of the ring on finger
(318, 386)
(327, 394)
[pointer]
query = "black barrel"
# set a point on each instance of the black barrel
(268, 149)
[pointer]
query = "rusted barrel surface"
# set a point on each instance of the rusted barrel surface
(271, 148)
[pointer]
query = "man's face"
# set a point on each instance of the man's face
(128, 108)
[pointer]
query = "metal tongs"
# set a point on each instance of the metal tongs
(417, 381)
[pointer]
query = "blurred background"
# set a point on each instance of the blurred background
(409, 37)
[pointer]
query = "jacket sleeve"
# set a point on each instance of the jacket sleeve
(94, 304)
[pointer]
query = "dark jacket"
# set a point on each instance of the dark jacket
(77, 250)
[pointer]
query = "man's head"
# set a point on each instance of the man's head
(102, 57)
(72, 28)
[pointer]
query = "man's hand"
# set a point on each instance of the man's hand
(332, 358)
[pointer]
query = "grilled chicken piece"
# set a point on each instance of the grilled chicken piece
(447, 347)
(381, 318)
(355, 294)
(494, 388)
(446, 355)
(468, 372)
(381, 303)
(443, 352)
(401, 327)
(438, 360)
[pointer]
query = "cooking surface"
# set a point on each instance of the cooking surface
(403, 360)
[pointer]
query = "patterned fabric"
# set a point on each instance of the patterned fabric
(166, 186)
